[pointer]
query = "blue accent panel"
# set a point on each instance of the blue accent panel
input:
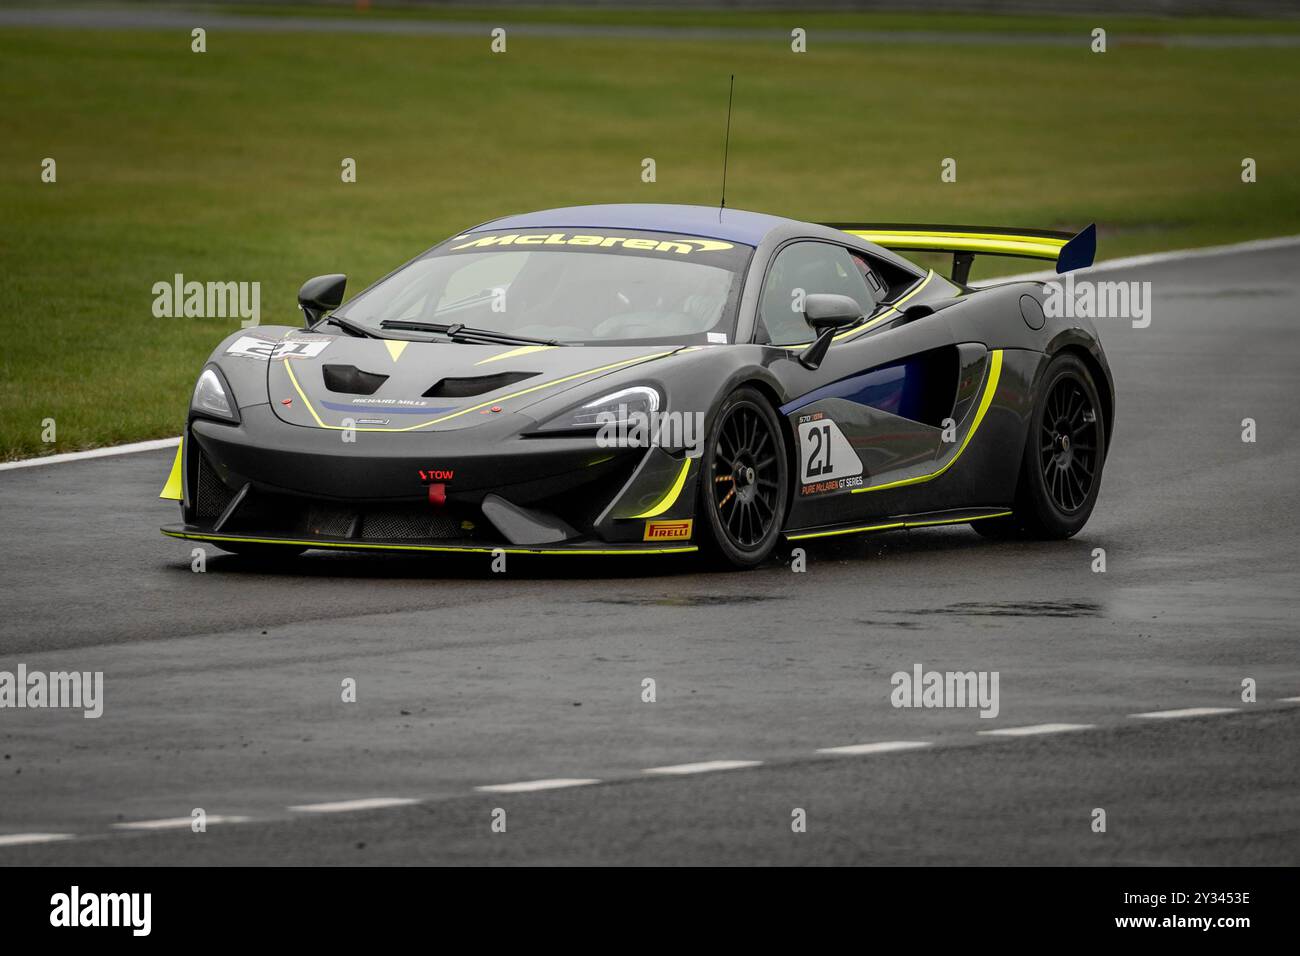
(733, 225)
(883, 388)
(1079, 252)
(376, 409)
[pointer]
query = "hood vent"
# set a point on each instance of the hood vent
(466, 387)
(350, 379)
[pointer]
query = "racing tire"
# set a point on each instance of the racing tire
(744, 482)
(1060, 470)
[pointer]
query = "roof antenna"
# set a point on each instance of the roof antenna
(726, 148)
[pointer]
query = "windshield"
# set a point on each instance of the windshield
(594, 288)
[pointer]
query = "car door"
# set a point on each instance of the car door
(875, 410)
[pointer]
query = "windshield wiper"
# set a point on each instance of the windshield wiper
(350, 326)
(464, 333)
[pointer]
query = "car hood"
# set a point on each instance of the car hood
(336, 382)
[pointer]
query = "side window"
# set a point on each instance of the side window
(806, 268)
(877, 285)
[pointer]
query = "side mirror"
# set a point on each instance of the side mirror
(320, 295)
(827, 314)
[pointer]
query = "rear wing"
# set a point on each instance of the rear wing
(1068, 250)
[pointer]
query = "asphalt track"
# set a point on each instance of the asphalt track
(222, 688)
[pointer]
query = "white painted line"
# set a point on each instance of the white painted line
(1153, 258)
(705, 766)
(528, 786)
(882, 747)
(92, 453)
(1289, 700)
(175, 823)
(1033, 729)
(1187, 712)
(22, 839)
(344, 806)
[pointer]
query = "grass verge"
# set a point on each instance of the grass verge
(225, 166)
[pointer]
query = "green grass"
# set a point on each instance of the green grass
(225, 166)
(785, 20)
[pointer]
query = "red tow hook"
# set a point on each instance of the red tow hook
(437, 495)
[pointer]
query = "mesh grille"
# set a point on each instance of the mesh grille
(211, 497)
(406, 523)
(327, 522)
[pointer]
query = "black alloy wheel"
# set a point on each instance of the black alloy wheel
(744, 481)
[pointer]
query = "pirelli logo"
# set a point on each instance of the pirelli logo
(668, 530)
(680, 246)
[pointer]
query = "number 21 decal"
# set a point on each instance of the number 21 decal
(250, 347)
(819, 452)
(825, 454)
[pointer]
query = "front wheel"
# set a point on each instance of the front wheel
(744, 481)
(1060, 471)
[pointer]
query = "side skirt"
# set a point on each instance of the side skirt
(903, 522)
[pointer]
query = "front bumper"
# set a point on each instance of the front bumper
(483, 490)
(325, 464)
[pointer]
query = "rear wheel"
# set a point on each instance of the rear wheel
(744, 481)
(1060, 471)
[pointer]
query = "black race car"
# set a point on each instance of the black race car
(652, 379)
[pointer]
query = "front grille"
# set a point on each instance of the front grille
(211, 496)
(326, 522)
(265, 512)
(409, 523)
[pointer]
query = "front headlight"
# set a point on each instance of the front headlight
(212, 398)
(639, 401)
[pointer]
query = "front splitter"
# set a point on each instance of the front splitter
(451, 547)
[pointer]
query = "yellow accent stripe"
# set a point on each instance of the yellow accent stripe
(396, 347)
(990, 386)
(859, 329)
(523, 350)
(669, 499)
(863, 529)
(896, 524)
(961, 234)
(895, 308)
(966, 520)
(303, 395)
(354, 546)
(473, 408)
(174, 490)
(1032, 247)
